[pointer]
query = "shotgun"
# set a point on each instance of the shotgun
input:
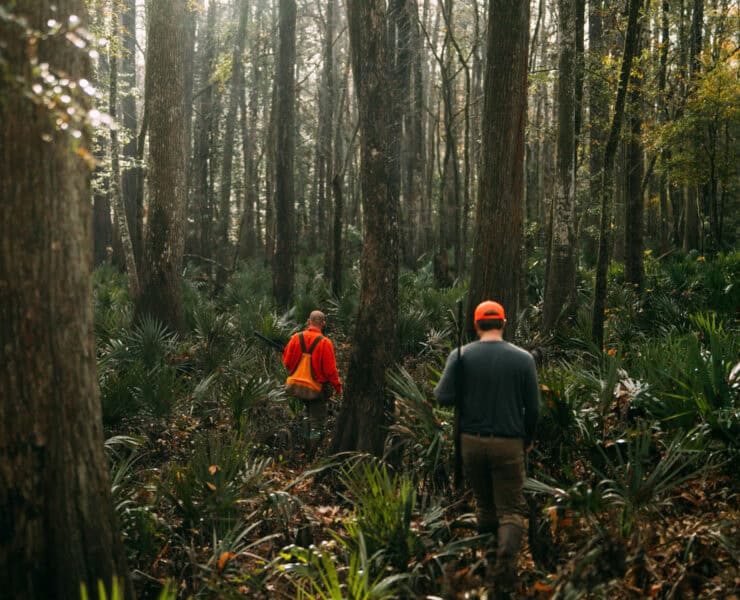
(459, 392)
(275, 344)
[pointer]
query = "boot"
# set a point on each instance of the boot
(504, 573)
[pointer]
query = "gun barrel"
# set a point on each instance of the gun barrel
(268, 341)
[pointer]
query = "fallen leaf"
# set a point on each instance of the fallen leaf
(223, 559)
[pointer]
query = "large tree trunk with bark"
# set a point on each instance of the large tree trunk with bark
(561, 262)
(161, 281)
(283, 269)
(57, 522)
(497, 243)
(360, 422)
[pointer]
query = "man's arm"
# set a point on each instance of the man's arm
(445, 391)
(291, 354)
(531, 395)
(329, 365)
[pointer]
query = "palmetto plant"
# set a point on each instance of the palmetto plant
(117, 592)
(334, 572)
(211, 486)
(418, 432)
(690, 381)
(110, 300)
(213, 334)
(639, 484)
(384, 504)
(241, 393)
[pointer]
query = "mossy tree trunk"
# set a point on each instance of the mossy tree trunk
(57, 524)
(360, 422)
(161, 280)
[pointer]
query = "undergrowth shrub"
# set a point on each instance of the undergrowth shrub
(383, 507)
(208, 490)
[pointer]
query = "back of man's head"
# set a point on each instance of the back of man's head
(317, 318)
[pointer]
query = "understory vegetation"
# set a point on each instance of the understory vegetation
(633, 479)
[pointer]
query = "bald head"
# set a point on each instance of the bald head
(317, 319)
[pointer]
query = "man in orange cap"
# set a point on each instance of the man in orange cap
(499, 409)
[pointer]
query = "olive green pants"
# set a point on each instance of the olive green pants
(494, 469)
(317, 411)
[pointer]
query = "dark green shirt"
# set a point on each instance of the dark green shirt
(501, 394)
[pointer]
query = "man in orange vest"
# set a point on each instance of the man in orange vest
(323, 363)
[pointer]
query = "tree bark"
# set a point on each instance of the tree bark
(248, 235)
(598, 109)
(607, 180)
(57, 524)
(161, 293)
(227, 160)
(561, 263)
(129, 119)
(691, 238)
(498, 225)
(102, 225)
(283, 271)
(119, 207)
(200, 201)
(361, 419)
(634, 238)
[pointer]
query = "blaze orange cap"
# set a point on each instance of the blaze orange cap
(489, 310)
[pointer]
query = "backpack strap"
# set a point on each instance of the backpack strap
(315, 343)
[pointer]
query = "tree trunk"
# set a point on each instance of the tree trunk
(161, 294)
(498, 225)
(284, 260)
(200, 202)
(561, 264)
(56, 513)
(235, 93)
(249, 227)
(102, 226)
(691, 238)
(130, 122)
(662, 118)
(119, 208)
(326, 126)
(634, 238)
(606, 223)
(361, 419)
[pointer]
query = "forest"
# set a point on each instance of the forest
(184, 183)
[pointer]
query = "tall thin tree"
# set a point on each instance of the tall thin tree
(607, 176)
(284, 260)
